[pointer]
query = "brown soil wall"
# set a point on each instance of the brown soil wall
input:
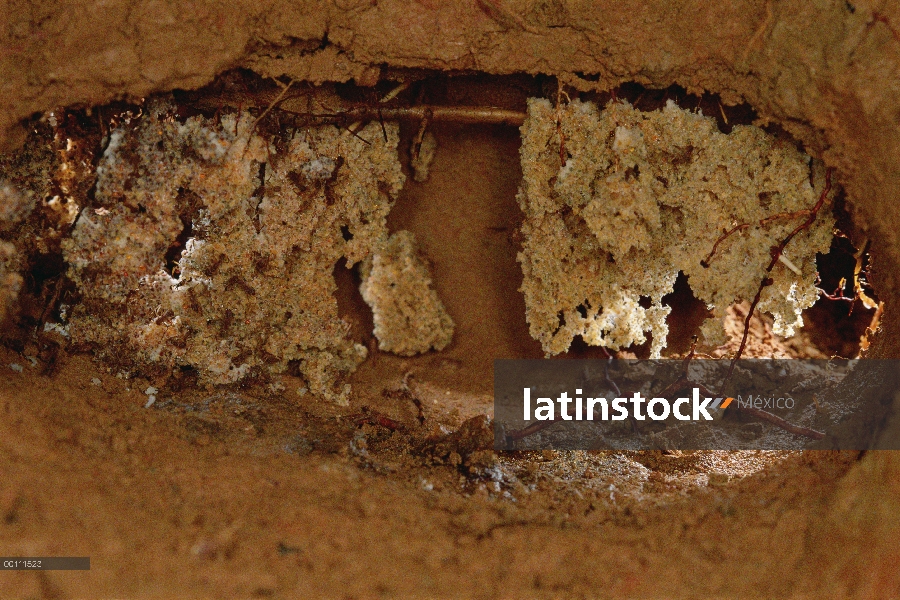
(827, 72)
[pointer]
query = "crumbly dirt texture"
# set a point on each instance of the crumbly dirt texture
(619, 201)
(409, 317)
(248, 493)
(252, 288)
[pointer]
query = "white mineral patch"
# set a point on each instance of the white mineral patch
(319, 169)
(151, 396)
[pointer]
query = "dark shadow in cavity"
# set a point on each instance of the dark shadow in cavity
(351, 306)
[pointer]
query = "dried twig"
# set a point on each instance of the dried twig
(447, 114)
(279, 98)
(420, 135)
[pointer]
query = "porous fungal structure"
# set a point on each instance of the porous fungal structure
(10, 280)
(14, 207)
(253, 229)
(408, 315)
(618, 201)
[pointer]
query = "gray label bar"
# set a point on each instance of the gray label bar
(45, 563)
(755, 404)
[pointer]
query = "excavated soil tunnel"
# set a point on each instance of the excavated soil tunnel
(252, 489)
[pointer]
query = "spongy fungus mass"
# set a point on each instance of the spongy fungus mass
(409, 316)
(617, 202)
(257, 229)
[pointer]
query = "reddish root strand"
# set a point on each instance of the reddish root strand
(705, 262)
(776, 254)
